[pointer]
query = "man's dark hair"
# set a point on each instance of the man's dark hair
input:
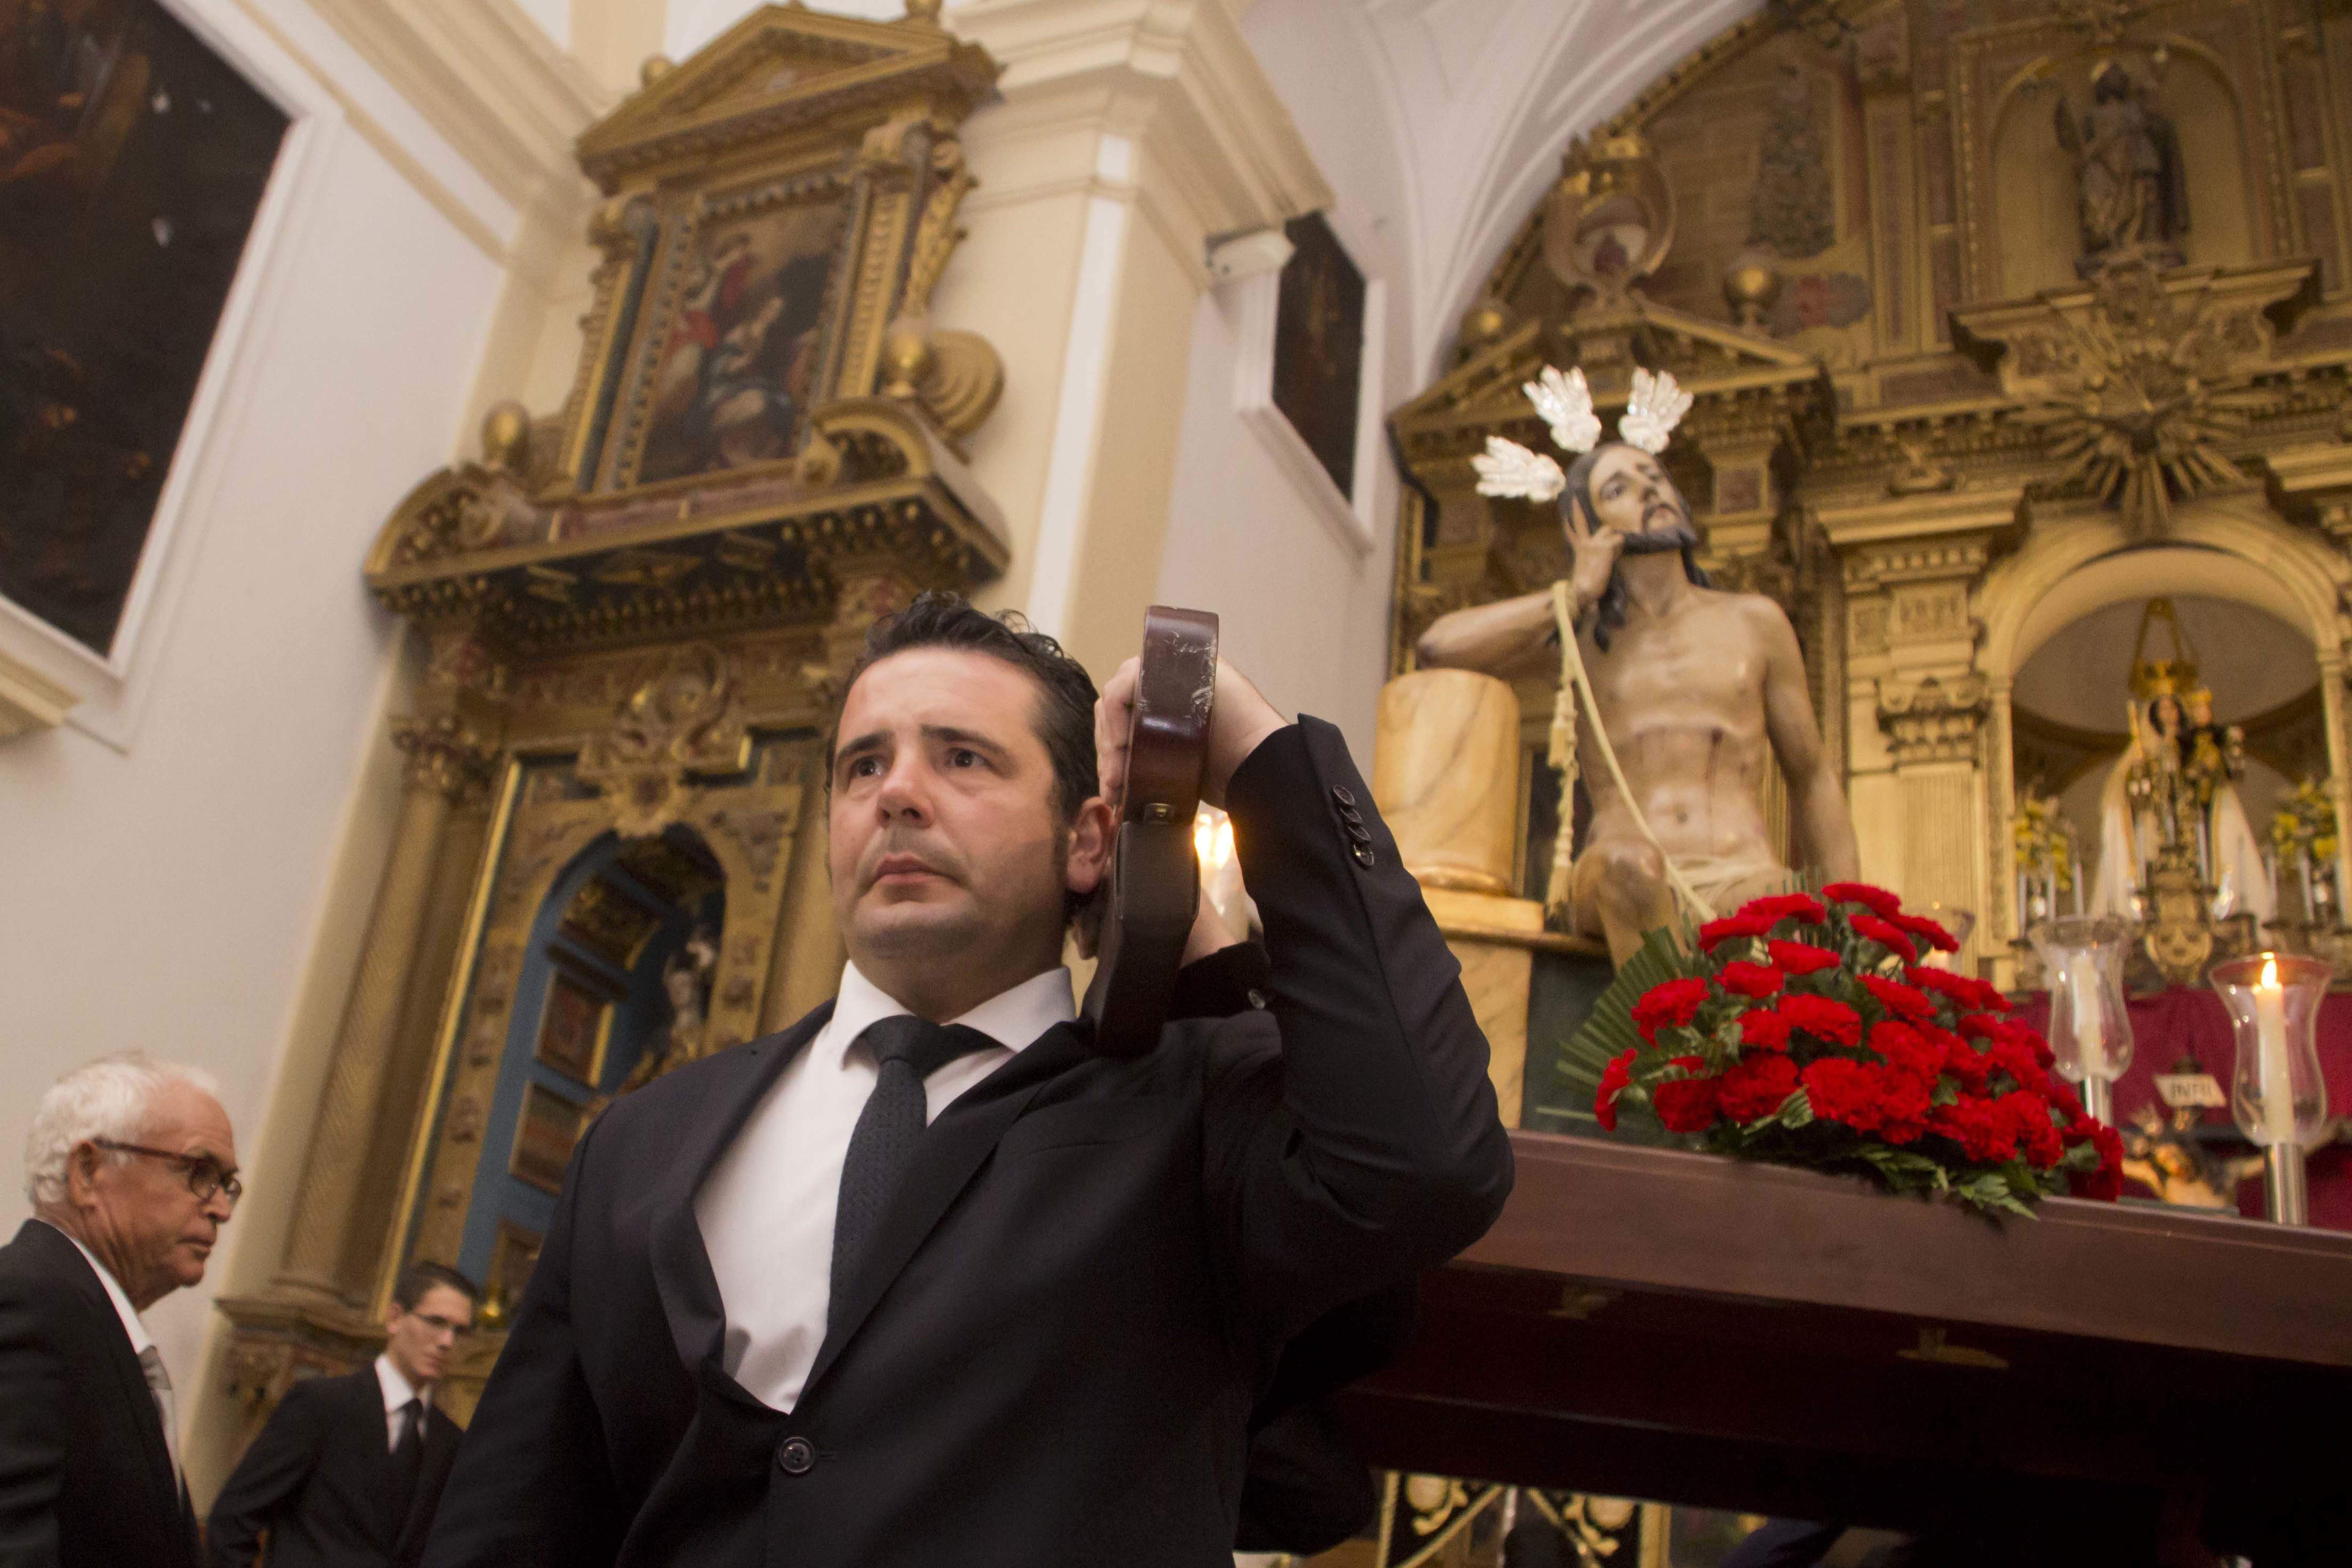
(418, 1279)
(1064, 717)
(1610, 611)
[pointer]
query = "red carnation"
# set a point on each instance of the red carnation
(1877, 900)
(2069, 1104)
(2106, 1183)
(1831, 1022)
(1884, 933)
(1906, 1050)
(1614, 1079)
(2037, 1138)
(1899, 998)
(1776, 907)
(1756, 1087)
(1801, 958)
(1965, 991)
(1967, 1065)
(1764, 1028)
(1982, 1134)
(1928, 931)
(1687, 1104)
(1748, 979)
(1904, 1103)
(1983, 1027)
(1669, 1004)
(1730, 928)
(1843, 1090)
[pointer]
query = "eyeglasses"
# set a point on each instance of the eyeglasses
(206, 1175)
(441, 1325)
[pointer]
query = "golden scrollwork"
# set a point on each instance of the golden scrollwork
(686, 719)
(444, 754)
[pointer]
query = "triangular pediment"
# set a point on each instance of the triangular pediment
(1711, 359)
(772, 73)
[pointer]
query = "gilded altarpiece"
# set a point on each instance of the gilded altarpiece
(633, 613)
(1973, 300)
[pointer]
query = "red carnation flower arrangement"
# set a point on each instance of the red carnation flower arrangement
(1804, 1029)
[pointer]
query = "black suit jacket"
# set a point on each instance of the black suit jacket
(1076, 1297)
(86, 1480)
(318, 1479)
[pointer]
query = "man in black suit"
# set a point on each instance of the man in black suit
(348, 1470)
(132, 1170)
(922, 1279)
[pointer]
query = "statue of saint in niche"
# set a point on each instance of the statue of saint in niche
(2133, 198)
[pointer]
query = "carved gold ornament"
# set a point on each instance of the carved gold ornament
(687, 718)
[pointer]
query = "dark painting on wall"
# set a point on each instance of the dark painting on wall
(1319, 346)
(740, 364)
(133, 160)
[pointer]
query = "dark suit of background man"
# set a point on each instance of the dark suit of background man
(131, 1167)
(779, 1318)
(348, 1470)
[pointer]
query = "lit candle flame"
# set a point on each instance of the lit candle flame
(2269, 981)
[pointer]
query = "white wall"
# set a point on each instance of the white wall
(1303, 615)
(167, 893)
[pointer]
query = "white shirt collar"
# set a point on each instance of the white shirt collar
(397, 1390)
(1013, 1019)
(140, 1338)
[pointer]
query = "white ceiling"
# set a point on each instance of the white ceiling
(1481, 98)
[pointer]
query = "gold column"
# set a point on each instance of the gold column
(445, 760)
(1445, 777)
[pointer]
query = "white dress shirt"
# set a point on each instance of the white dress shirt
(142, 1344)
(397, 1392)
(767, 1210)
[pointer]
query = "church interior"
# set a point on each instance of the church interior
(456, 448)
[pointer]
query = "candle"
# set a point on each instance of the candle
(2310, 913)
(2277, 1082)
(2078, 862)
(2090, 1022)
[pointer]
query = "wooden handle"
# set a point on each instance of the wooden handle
(1154, 887)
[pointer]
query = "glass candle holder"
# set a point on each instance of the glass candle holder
(2276, 1093)
(2090, 1033)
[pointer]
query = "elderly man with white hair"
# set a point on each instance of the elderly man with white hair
(132, 1172)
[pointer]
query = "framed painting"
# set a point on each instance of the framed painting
(746, 343)
(134, 161)
(1319, 346)
(550, 1125)
(575, 1027)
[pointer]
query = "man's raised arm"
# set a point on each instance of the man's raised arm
(1369, 1147)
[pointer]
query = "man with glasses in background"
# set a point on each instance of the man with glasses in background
(131, 1168)
(349, 1470)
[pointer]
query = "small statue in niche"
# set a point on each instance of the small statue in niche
(2133, 198)
(685, 979)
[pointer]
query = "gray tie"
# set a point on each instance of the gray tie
(159, 1383)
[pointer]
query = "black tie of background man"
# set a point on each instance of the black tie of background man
(906, 1051)
(407, 1461)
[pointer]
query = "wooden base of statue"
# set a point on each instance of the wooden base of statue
(1494, 939)
(1645, 1322)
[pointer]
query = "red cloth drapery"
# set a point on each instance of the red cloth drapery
(2186, 1021)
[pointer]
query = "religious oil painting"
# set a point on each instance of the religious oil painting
(744, 355)
(1319, 346)
(549, 1126)
(133, 160)
(574, 1027)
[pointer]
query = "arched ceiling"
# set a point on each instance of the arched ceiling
(1482, 96)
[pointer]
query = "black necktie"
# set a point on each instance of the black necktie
(407, 1461)
(906, 1051)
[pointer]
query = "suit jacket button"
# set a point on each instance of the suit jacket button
(1256, 998)
(1341, 794)
(796, 1457)
(1349, 813)
(1363, 854)
(1359, 832)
